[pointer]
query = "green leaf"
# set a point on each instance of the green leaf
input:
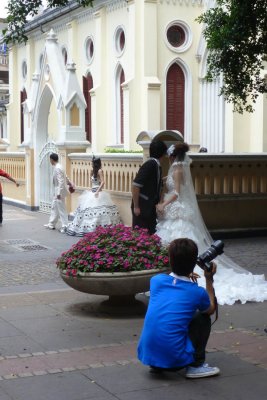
(236, 36)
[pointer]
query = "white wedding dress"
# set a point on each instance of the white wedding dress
(93, 211)
(182, 218)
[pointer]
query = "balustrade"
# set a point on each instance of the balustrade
(119, 171)
(229, 175)
(228, 186)
(13, 164)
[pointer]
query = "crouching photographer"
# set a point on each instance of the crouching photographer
(177, 323)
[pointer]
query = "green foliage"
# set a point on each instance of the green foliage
(20, 10)
(236, 35)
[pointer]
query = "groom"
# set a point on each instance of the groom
(147, 187)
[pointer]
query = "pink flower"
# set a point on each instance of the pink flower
(116, 248)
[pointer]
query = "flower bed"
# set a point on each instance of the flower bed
(114, 249)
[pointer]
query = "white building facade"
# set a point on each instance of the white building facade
(140, 66)
(94, 78)
(128, 66)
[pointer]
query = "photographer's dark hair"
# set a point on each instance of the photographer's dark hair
(96, 161)
(54, 157)
(183, 256)
(157, 149)
(180, 150)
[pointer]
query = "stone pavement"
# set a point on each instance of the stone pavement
(55, 343)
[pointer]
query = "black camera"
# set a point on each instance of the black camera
(204, 259)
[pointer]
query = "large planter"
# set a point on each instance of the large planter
(121, 287)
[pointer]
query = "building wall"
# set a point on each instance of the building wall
(145, 61)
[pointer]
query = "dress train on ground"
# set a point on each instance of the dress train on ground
(182, 219)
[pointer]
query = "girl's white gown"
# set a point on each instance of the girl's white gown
(93, 212)
(182, 219)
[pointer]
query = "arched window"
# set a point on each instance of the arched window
(23, 97)
(87, 86)
(119, 106)
(122, 79)
(175, 98)
(65, 55)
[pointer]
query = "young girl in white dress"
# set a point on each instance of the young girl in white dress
(95, 207)
(179, 216)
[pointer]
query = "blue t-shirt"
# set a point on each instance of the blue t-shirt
(164, 340)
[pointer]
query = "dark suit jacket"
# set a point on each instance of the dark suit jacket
(147, 179)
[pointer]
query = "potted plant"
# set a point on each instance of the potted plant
(115, 260)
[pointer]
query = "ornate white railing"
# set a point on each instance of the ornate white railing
(224, 175)
(13, 164)
(231, 188)
(119, 170)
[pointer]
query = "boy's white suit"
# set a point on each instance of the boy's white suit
(58, 207)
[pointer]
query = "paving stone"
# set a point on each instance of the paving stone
(109, 363)
(98, 365)
(76, 349)
(67, 386)
(82, 367)
(25, 355)
(12, 376)
(131, 378)
(25, 374)
(40, 373)
(54, 371)
(123, 362)
(41, 316)
(68, 369)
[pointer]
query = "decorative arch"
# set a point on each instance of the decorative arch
(178, 98)
(87, 86)
(44, 146)
(42, 110)
(56, 81)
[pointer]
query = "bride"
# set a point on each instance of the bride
(179, 216)
(95, 207)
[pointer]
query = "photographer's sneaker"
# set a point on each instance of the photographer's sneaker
(202, 371)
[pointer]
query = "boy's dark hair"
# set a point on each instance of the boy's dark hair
(157, 149)
(54, 157)
(183, 256)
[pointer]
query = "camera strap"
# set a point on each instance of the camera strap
(216, 310)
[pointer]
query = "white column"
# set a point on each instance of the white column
(212, 117)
